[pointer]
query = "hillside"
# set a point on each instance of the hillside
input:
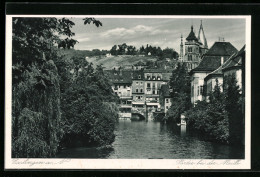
(111, 62)
(107, 62)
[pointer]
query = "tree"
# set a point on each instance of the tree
(89, 110)
(113, 50)
(234, 102)
(180, 85)
(36, 121)
(122, 49)
(210, 118)
(179, 81)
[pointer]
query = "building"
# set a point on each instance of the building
(195, 48)
(236, 66)
(153, 81)
(216, 55)
(122, 86)
(165, 98)
(139, 66)
(138, 94)
(210, 81)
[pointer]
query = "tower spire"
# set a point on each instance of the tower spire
(181, 49)
(201, 30)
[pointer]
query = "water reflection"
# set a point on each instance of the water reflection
(183, 130)
(144, 140)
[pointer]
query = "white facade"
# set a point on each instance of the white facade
(197, 82)
(167, 104)
(122, 90)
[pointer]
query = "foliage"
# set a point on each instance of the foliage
(234, 105)
(180, 103)
(221, 118)
(180, 81)
(89, 109)
(38, 94)
(124, 49)
(36, 86)
(180, 86)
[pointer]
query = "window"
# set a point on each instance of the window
(139, 76)
(198, 90)
(141, 83)
(167, 107)
(153, 85)
(137, 83)
(201, 89)
(124, 86)
(148, 78)
(136, 90)
(148, 85)
(141, 90)
(189, 57)
(167, 100)
(153, 91)
(189, 49)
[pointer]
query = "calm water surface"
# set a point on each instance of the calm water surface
(143, 140)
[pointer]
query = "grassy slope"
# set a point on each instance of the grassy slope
(108, 62)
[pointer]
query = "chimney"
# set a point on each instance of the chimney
(222, 60)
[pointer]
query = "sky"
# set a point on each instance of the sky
(162, 32)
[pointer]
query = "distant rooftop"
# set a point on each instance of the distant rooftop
(212, 59)
(119, 76)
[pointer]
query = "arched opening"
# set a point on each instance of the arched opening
(137, 117)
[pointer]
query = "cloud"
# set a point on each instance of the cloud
(137, 30)
(83, 39)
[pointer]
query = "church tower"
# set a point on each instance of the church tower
(192, 47)
(202, 40)
(181, 50)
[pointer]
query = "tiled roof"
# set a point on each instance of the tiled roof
(236, 60)
(233, 60)
(212, 59)
(117, 77)
(221, 49)
(140, 63)
(153, 70)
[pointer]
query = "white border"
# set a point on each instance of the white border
(125, 163)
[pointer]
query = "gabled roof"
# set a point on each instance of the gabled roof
(221, 49)
(233, 60)
(192, 35)
(119, 76)
(212, 59)
(236, 60)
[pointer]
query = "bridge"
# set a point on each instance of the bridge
(139, 112)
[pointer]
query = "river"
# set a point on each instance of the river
(145, 140)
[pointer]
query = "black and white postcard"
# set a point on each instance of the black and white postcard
(128, 92)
